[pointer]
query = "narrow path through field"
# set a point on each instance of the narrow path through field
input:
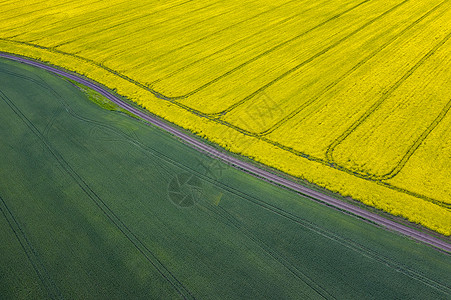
(248, 167)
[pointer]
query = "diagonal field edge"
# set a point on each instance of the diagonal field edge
(250, 168)
(99, 202)
(219, 121)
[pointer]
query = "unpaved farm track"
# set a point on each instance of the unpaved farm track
(248, 167)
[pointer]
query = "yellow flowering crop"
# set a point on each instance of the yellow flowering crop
(351, 95)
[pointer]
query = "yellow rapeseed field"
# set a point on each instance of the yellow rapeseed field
(351, 95)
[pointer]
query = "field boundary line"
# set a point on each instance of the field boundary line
(250, 168)
(197, 113)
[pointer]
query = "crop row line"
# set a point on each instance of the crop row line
(378, 103)
(404, 160)
(348, 243)
(155, 93)
(222, 30)
(265, 53)
(43, 7)
(225, 215)
(412, 149)
(348, 73)
(225, 48)
(31, 253)
(102, 30)
(19, 7)
(310, 59)
(103, 19)
(118, 223)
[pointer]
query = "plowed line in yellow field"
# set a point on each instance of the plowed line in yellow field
(417, 143)
(156, 93)
(298, 153)
(101, 19)
(265, 53)
(19, 7)
(175, 31)
(347, 74)
(227, 47)
(377, 104)
(136, 31)
(46, 16)
(221, 30)
(93, 33)
(41, 9)
(437, 202)
(309, 60)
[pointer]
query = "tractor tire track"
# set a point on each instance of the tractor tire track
(50, 287)
(227, 47)
(116, 221)
(269, 51)
(377, 104)
(226, 217)
(348, 73)
(221, 30)
(93, 23)
(309, 60)
(146, 27)
(348, 243)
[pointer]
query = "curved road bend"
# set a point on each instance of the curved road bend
(343, 206)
